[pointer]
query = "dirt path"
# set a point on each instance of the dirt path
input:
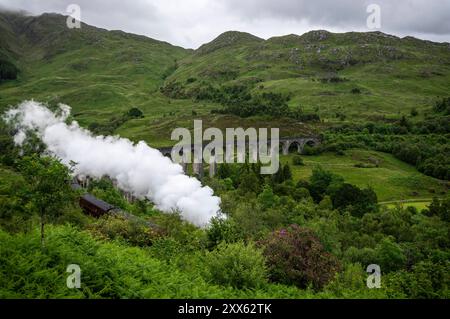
(413, 200)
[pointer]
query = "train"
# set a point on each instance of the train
(91, 205)
(96, 207)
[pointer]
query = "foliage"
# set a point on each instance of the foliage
(9, 152)
(221, 230)
(390, 255)
(440, 208)
(237, 265)
(297, 161)
(48, 188)
(133, 231)
(427, 280)
(8, 71)
(359, 202)
(320, 181)
(296, 256)
(135, 113)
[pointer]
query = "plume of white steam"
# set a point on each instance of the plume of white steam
(138, 168)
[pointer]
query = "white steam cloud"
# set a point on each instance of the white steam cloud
(138, 168)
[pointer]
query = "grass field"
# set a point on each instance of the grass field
(419, 205)
(392, 180)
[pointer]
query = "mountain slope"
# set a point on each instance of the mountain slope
(320, 70)
(102, 74)
(98, 72)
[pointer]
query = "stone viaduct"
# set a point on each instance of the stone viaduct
(287, 145)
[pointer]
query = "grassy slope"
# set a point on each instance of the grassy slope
(99, 73)
(392, 180)
(393, 74)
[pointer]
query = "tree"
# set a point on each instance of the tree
(8, 152)
(287, 173)
(361, 201)
(440, 209)
(249, 183)
(390, 255)
(224, 171)
(267, 199)
(296, 256)
(48, 187)
(320, 181)
(278, 177)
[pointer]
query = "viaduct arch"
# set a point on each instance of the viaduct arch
(286, 144)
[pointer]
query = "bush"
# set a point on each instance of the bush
(297, 161)
(390, 255)
(118, 227)
(426, 280)
(135, 113)
(8, 71)
(296, 256)
(221, 230)
(237, 265)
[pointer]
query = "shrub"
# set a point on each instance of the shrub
(118, 227)
(297, 161)
(442, 106)
(237, 265)
(296, 256)
(426, 280)
(390, 255)
(8, 71)
(221, 230)
(287, 173)
(172, 225)
(364, 256)
(135, 113)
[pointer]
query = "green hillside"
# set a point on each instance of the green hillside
(391, 179)
(99, 73)
(102, 74)
(320, 69)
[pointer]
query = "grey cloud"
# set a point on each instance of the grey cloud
(405, 16)
(190, 23)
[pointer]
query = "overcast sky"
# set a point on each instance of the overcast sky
(190, 23)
